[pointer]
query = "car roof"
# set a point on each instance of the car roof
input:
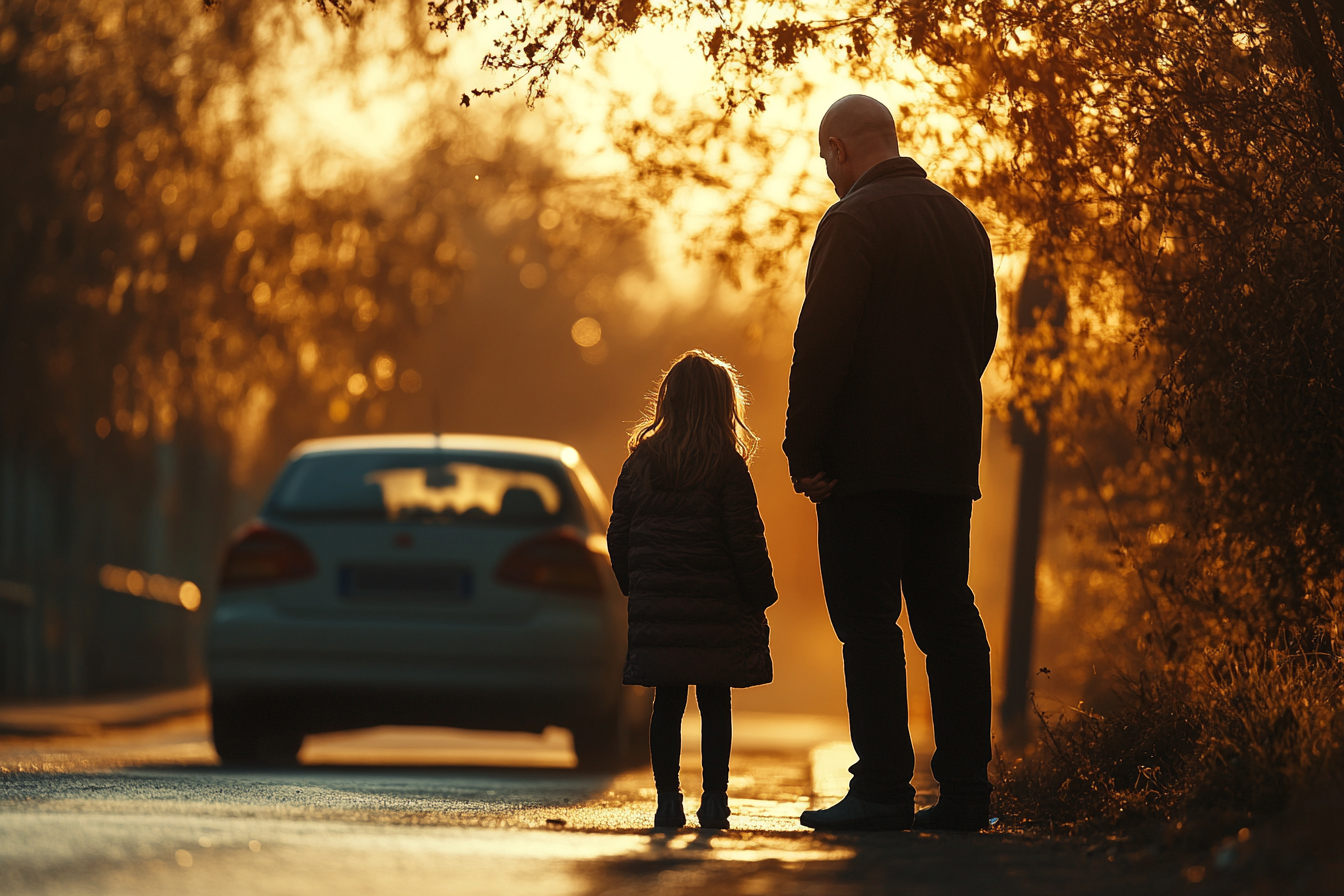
(448, 441)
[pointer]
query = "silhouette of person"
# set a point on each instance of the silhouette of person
(883, 434)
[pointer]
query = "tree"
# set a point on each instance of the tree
(151, 276)
(168, 312)
(1181, 164)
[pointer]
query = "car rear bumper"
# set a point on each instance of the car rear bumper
(254, 671)
(336, 674)
(311, 710)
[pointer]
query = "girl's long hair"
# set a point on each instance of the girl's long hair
(697, 416)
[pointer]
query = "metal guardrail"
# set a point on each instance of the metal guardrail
(150, 586)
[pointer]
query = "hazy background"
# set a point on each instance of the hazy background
(300, 232)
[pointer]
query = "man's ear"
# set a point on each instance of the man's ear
(838, 147)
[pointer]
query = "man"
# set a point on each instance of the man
(883, 434)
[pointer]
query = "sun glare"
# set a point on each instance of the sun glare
(329, 126)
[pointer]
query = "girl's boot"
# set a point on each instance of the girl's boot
(713, 811)
(670, 813)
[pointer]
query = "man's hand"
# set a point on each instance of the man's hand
(817, 488)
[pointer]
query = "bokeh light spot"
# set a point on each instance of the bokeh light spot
(594, 354)
(384, 372)
(410, 381)
(190, 597)
(549, 219)
(112, 578)
(586, 332)
(183, 858)
(338, 410)
(103, 427)
(243, 241)
(161, 587)
(357, 384)
(533, 275)
(103, 118)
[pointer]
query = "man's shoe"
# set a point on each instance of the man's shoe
(713, 811)
(953, 815)
(855, 814)
(670, 813)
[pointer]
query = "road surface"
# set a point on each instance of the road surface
(148, 810)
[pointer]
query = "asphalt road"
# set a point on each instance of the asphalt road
(148, 810)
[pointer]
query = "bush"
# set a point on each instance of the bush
(1223, 742)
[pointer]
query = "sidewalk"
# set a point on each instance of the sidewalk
(89, 716)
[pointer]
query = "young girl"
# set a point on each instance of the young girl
(688, 548)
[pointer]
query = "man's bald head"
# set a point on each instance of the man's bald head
(855, 134)
(859, 119)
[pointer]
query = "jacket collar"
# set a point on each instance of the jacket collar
(901, 166)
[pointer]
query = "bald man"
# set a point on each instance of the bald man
(883, 434)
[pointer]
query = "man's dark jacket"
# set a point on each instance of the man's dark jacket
(898, 325)
(694, 564)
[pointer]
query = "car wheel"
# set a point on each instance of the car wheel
(246, 734)
(599, 743)
(616, 740)
(639, 707)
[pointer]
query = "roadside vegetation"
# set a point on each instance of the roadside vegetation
(1174, 169)
(170, 260)
(197, 275)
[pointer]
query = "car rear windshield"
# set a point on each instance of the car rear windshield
(425, 486)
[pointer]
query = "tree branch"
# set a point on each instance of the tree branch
(1309, 44)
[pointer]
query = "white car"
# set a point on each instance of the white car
(424, 580)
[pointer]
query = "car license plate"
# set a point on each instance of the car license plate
(402, 583)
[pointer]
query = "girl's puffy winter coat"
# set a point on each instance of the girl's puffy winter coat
(694, 565)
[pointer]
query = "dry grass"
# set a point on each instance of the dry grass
(1229, 739)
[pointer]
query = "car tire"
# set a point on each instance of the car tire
(616, 740)
(246, 734)
(639, 708)
(599, 743)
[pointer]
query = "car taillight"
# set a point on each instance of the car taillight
(559, 560)
(259, 555)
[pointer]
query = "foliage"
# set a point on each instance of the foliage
(135, 242)
(151, 274)
(1178, 165)
(1175, 164)
(1230, 742)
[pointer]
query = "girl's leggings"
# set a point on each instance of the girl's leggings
(716, 737)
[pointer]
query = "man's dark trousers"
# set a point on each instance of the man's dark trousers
(873, 547)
